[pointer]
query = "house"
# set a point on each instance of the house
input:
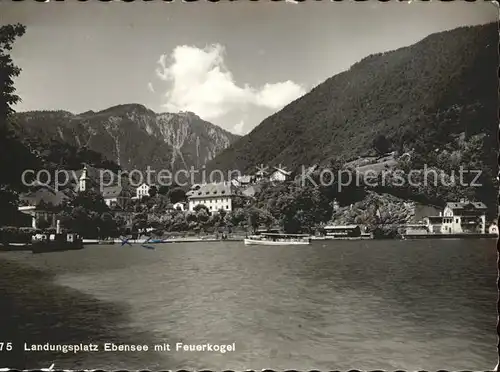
(251, 191)
(414, 229)
(493, 229)
(41, 205)
(214, 196)
(142, 190)
(421, 211)
(114, 196)
(434, 224)
(459, 218)
(279, 175)
(260, 175)
(38, 214)
(243, 181)
(193, 189)
(179, 206)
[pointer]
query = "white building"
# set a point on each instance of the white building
(459, 218)
(279, 175)
(142, 190)
(464, 217)
(243, 180)
(493, 229)
(84, 180)
(179, 206)
(37, 204)
(214, 196)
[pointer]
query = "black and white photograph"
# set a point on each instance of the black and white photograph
(249, 185)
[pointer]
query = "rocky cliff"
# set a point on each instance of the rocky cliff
(131, 135)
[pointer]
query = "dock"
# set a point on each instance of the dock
(449, 236)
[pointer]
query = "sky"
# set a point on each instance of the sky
(232, 64)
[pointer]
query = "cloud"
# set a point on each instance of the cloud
(277, 95)
(238, 128)
(150, 87)
(200, 82)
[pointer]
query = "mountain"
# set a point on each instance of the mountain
(416, 97)
(131, 135)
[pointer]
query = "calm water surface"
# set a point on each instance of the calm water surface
(409, 305)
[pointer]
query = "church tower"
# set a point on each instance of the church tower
(84, 181)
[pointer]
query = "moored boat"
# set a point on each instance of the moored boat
(44, 243)
(449, 236)
(106, 241)
(278, 239)
(155, 241)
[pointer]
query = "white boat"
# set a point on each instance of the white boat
(278, 239)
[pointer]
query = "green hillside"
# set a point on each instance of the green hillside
(417, 96)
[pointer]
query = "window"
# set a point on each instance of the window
(227, 206)
(456, 220)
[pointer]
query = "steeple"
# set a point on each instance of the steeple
(84, 180)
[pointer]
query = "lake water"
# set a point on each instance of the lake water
(412, 305)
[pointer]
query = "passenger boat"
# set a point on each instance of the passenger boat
(278, 239)
(44, 243)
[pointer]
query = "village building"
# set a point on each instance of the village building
(42, 205)
(251, 191)
(84, 180)
(342, 231)
(114, 196)
(142, 190)
(214, 196)
(459, 218)
(179, 206)
(242, 181)
(434, 224)
(279, 175)
(414, 229)
(493, 229)
(87, 179)
(260, 175)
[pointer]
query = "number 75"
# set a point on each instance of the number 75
(7, 346)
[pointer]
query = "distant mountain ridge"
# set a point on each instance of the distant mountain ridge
(416, 96)
(131, 135)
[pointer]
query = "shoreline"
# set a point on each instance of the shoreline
(8, 247)
(313, 238)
